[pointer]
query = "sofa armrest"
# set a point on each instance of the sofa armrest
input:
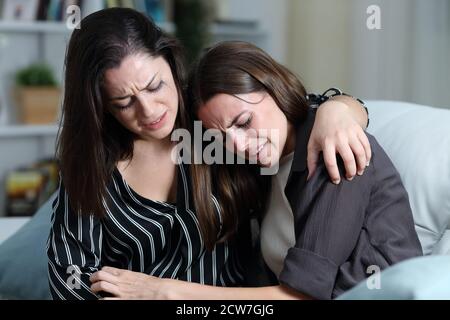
(9, 226)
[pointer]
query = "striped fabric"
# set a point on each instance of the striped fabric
(159, 239)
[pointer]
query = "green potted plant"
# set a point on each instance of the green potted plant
(192, 19)
(37, 94)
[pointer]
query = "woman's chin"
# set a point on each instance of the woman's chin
(160, 134)
(266, 162)
(268, 159)
(156, 136)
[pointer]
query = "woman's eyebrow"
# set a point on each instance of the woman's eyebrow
(130, 95)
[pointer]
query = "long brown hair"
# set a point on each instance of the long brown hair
(91, 141)
(235, 67)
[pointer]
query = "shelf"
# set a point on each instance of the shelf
(60, 27)
(33, 26)
(53, 27)
(13, 131)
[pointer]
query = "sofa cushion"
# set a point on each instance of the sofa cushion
(421, 278)
(23, 259)
(417, 139)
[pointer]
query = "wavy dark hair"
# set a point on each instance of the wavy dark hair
(90, 140)
(235, 67)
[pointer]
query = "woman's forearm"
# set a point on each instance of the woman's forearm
(355, 107)
(126, 284)
(180, 290)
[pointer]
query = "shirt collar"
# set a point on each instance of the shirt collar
(303, 132)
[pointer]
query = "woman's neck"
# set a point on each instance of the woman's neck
(151, 172)
(152, 148)
(145, 151)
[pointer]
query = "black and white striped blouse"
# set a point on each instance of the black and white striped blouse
(138, 234)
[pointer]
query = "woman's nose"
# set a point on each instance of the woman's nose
(145, 105)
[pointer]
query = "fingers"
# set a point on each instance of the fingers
(312, 159)
(352, 146)
(366, 145)
(359, 153)
(353, 154)
(113, 271)
(102, 275)
(343, 148)
(104, 286)
(329, 157)
(106, 280)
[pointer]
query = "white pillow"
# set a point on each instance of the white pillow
(417, 139)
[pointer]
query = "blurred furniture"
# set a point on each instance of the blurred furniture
(22, 43)
(417, 139)
(9, 226)
(21, 145)
(421, 278)
(27, 188)
(23, 258)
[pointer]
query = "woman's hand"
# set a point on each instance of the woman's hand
(129, 285)
(337, 130)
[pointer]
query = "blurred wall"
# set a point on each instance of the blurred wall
(318, 42)
(272, 17)
(408, 59)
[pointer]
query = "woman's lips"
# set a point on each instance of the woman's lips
(261, 149)
(258, 150)
(157, 123)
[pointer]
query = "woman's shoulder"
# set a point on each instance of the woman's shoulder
(379, 162)
(63, 205)
(381, 173)
(379, 168)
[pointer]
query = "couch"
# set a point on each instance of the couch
(416, 137)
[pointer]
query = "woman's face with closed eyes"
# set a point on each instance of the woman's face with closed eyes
(254, 123)
(142, 95)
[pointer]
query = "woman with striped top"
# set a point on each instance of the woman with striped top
(122, 201)
(123, 205)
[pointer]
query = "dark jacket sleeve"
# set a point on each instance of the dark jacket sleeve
(74, 250)
(343, 229)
